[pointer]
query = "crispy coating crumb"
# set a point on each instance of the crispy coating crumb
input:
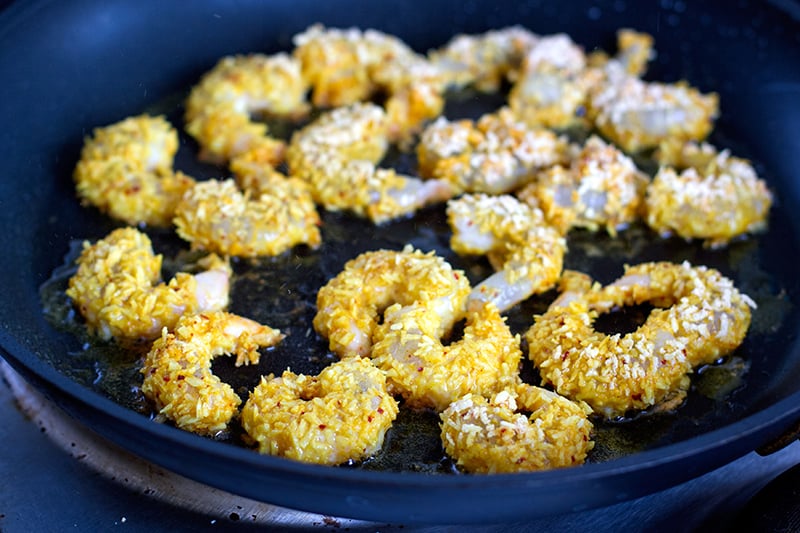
(177, 370)
(349, 305)
(338, 416)
(125, 170)
(430, 374)
(699, 317)
(521, 429)
(119, 292)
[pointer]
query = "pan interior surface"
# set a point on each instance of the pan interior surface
(95, 75)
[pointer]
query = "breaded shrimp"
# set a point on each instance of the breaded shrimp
(219, 108)
(601, 187)
(495, 155)
(350, 304)
(637, 115)
(125, 170)
(215, 216)
(521, 429)
(177, 370)
(716, 197)
(338, 416)
(118, 291)
(699, 317)
(346, 66)
(428, 373)
(484, 61)
(337, 154)
(527, 253)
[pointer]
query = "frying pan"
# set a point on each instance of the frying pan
(67, 67)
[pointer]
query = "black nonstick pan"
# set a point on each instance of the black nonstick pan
(67, 67)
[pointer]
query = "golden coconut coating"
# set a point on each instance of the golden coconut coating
(716, 197)
(177, 370)
(521, 429)
(553, 84)
(338, 416)
(345, 66)
(338, 155)
(215, 216)
(495, 155)
(527, 253)
(349, 305)
(637, 115)
(699, 317)
(484, 61)
(430, 374)
(125, 170)
(601, 188)
(220, 106)
(119, 292)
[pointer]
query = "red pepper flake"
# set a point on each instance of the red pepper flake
(166, 378)
(380, 410)
(637, 397)
(322, 426)
(181, 377)
(370, 418)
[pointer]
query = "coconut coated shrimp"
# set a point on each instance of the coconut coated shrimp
(602, 187)
(345, 66)
(521, 429)
(118, 291)
(338, 416)
(349, 305)
(428, 373)
(496, 155)
(637, 115)
(716, 197)
(219, 108)
(337, 155)
(557, 78)
(177, 370)
(485, 60)
(527, 253)
(277, 215)
(700, 316)
(125, 170)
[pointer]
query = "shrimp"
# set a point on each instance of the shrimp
(527, 253)
(219, 107)
(177, 370)
(429, 374)
(637, 115)
(496, 155)
(346, 66)
(350, 304)
(278, 215)
(484, 61)
(495, 436)
(717, 197)
(338, 416)
(700, 316)
(118, 291)
(337, 155)
(601, 187)
(125, 170)
(553, 85)
(557, 78)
